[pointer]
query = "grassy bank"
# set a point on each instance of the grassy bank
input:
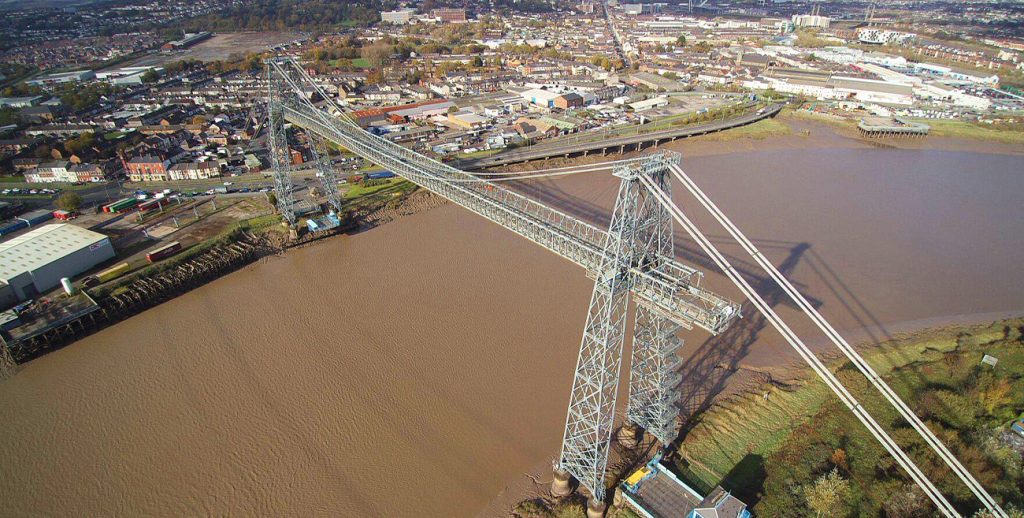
(971, 130)
(759, 130)
(769, 449)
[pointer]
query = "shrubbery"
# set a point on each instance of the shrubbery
(964, 401)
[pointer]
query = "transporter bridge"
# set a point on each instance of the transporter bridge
(633, 259)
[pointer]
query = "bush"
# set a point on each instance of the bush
(69, 201)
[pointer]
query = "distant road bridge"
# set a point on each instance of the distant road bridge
(615, 144)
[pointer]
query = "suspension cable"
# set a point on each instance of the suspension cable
(601, 166)
(887, 392)
(816, 364)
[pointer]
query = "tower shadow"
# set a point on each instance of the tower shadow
(707, 371)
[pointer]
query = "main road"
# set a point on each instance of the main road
(615, 144)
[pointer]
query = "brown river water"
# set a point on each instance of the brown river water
(420, 368)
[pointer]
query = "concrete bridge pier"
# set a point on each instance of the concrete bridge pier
(560, 484)
(622, 149)
(596, 508)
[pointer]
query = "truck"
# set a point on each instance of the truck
(106, 275)
(163, 252)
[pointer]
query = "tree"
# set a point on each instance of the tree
(150, 76)
(377, 54)
(69, 201)
(702, 47)
(272, 198)
(477, 62)
(81, 143)
(681, 40)
(828, 495)
(910, 502)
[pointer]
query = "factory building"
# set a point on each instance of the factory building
(35, 262)
(398, 17)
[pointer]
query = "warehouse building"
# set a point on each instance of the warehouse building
(35, 261)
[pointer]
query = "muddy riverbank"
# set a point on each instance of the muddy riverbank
(421, 368)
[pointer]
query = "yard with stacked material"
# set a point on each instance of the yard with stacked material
(796, 448)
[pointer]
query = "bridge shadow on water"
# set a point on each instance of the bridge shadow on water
(708, 369)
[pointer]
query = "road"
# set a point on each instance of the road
(616, 143)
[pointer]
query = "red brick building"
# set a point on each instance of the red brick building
(449, 15)
(147, 169)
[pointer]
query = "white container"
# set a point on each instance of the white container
(68, 287)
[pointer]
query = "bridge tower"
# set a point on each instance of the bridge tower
(653, 377)
(284, 84)
(639, 235)
(280, 155)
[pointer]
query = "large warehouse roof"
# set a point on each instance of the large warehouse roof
(42, 246)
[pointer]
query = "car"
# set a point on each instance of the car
(228, 183)
(210, 191)
(5, 191)
(244, 189)
(33, 191)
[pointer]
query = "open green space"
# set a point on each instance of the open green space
(761, 129)
(371, 187)
(770, 450)
(971, 130)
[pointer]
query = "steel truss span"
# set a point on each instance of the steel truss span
(633, 258)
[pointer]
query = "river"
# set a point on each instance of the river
(420, 368)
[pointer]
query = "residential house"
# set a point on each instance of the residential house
(194, 171)
(147, 169)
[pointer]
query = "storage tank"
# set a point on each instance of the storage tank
(68, 287)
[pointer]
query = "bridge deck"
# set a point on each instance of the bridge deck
(535, 153)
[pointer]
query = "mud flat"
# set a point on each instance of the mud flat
(421, 368)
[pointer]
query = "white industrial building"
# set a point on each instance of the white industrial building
(398, 17)
(35, 261)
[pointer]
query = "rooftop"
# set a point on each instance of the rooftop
(42, 246)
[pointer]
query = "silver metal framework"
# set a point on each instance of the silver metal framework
(673, 290)
(653, 376)
(325, 170)
(280, 157)
(638, 240)
(634, 256)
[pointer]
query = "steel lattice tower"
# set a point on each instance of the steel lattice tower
(636, 236)
(653, 379)
(280, 156)
(322, 160)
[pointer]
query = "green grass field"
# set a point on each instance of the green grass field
(358, 190)
(759, 130)
(750, 425)
(970, 130)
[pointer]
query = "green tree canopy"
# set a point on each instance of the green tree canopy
(69, 201)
